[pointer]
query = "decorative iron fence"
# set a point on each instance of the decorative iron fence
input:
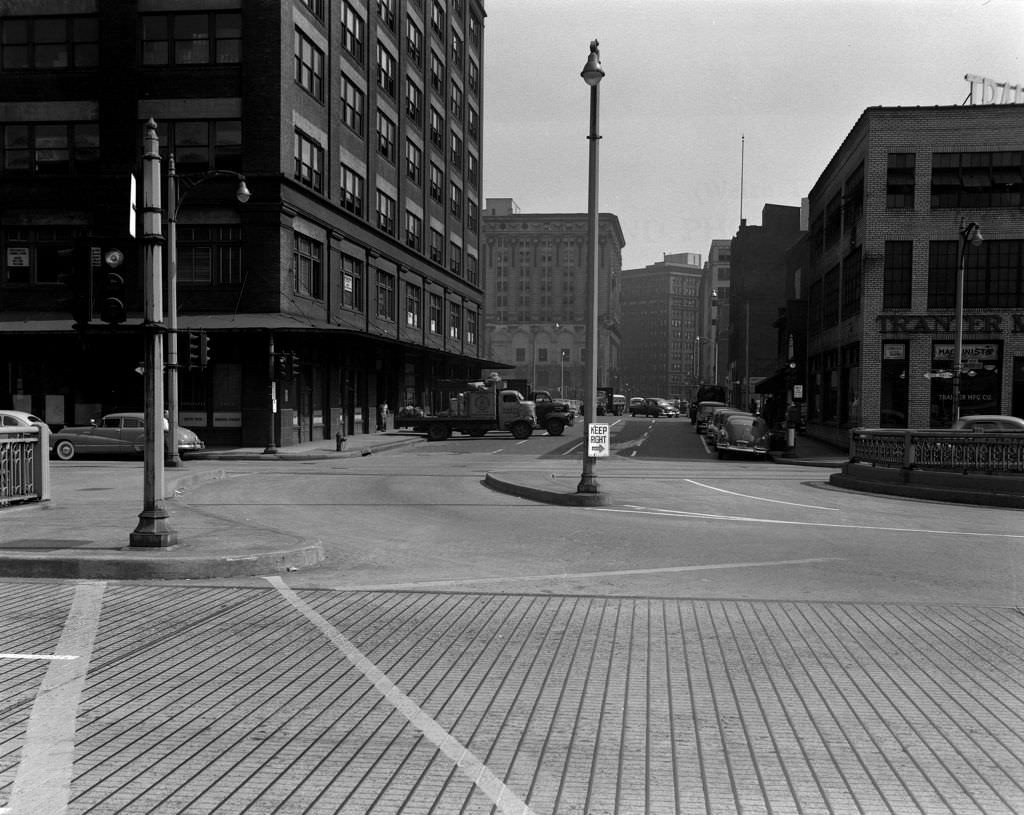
(955, 451)
(24, 464)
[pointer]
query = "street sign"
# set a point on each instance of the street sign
(599, 441)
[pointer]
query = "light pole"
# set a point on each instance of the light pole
(561, 375)
(592, 74)
(174, 200)
(970, 234)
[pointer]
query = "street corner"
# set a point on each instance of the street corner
(547, 488)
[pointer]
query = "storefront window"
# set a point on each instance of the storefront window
(895, 395)
(980, 383)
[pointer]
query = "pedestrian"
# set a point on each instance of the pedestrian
(382, 417)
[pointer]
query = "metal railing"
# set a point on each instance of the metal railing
(24, 464)
(951, 450)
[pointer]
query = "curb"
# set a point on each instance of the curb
(283, 455)
(569, 499)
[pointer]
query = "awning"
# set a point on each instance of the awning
(776, 383)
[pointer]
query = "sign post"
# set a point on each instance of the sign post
(599, 441)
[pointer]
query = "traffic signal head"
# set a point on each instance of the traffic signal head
(204, 349)
(294, 365)
(75, 273)
(282, 369)
(194, 341)
(113, 285)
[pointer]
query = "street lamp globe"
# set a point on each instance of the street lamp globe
(592, 72)
(242, 194)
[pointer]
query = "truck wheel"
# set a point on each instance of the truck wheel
(64, 450)
(555, 427)
(521, 430)
(438, 432)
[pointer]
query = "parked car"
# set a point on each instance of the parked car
(703, 413)
(114, 434)
(636, 405)
(717, 418)
(982, 423)
(654, 407)
(742, 434)
(19, 418)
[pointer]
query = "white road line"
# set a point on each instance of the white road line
(743, 519)
(576, 575)
(38, 656)
(755, 498)
(43, 781)
(468, 764)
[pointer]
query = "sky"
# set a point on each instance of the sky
(701, 95)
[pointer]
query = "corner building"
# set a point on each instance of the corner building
(885, 247)
(358, 128)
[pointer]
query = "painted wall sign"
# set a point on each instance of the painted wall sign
(937, 323)
(985, 91)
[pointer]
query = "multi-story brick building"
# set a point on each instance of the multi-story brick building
(715, 357)
(535, 273)
(887, 220)
(662, 327)
(358, 128)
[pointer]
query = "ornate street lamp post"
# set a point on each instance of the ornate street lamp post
(175, 197)
(592, 74)
(970, 234)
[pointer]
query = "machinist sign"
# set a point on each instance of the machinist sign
(598, 442)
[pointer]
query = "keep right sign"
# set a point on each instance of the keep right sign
(599, 441)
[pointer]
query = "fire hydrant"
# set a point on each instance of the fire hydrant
(339, 441)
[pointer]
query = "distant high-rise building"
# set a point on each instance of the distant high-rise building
(535, 278)
(716, 312)
(663, 348)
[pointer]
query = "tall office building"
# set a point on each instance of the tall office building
(358, 129)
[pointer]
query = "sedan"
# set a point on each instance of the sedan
(744, 434)
(19, 418)
(658, 407)
(115, 434)
(983, 423)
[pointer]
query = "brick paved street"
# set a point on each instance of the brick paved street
(233, 700)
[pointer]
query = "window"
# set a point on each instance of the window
(352, 187)
(472, 168)
(199, 146)
(455, 259)
(471, 323)
(385, 212)
(437, 128)
(50, 149)
(436, 183)
(192, 38)
(386, 130)
(309, 66)
(852, 284)
(436, 246)
(977, 179)
(386, 12)
(434, 316)
(472, 215)
(993, 274)
(455, 101)
(456, 144)
(413, 101)
(413, 162)
(353, 105)
(385, 295)
(385, 69)
(473, 123)
(307, 260)
(474, 30)
(31, 254)
(353, 32)
(473, 78)
(413, 305)
(352, 283)
(457, 49)
(899, 181)
(896, 285)
(309, 161)
(454, 321)
(210, 255)
(437, 74)
(49, 43)
(437, 18)
(413, 41)
(455, 200)
(472, 270)
(414, 231)
(833, 220)
(315, 6)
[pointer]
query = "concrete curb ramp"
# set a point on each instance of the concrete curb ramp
(560, 493)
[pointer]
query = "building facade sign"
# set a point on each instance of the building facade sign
(985, 91)
(938, 323)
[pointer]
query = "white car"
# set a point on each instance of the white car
(19, 418)
(115, 433)
(985, 423)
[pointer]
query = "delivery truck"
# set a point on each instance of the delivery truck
(475, 411)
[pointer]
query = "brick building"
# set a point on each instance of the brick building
(887, 217)
(358, 128)
(535, 273)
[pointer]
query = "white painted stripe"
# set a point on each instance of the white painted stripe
(677, 513)
(38, 656)
(500, 795)
(756, 498)
(574, 575)
(43, 780)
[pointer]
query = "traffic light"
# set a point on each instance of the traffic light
(294, 365)
(282, 370)
(113, 285)
(194, 349)
(75, 273)
(204, 349)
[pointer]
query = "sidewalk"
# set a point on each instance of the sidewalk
(84, 532)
